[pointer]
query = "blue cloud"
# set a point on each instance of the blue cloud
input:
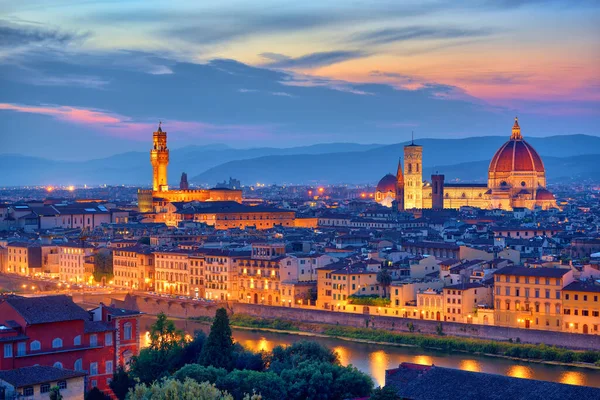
(314, 60)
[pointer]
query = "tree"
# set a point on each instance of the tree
(189, 389)
(96, 394)
(55, 393)
(200, 373)
(121, 383)
(166, 354)
(321, 380)
(103, 265)
(268, 385)
(218, 349)
(385, 393)
(290, 356)
(384, 278)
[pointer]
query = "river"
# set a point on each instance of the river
(375, 359)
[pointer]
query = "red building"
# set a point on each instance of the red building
(54, 331)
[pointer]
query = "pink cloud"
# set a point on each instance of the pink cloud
(123, 126)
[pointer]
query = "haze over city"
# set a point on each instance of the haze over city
(92, 79)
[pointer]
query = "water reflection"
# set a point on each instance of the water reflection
(375, 359)
(573, 378)
(470, 365)
(379, 362)
(520, 371)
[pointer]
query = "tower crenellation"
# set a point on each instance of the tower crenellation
(159, 158)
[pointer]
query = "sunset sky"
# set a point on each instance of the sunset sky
(87, 79)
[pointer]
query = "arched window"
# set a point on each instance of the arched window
(78, 366)
(127, 331)
(58, 364)
(57, 343)
(35, 345)
(77, 340)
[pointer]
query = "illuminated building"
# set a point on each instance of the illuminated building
(74, 261)
(159, 158)
(221, 272)
(259, 274)
(24, 258)
(581, 307)
(197, 275)
(171, 272)
(461, 302)
(530, 298)
(516, 179)
(133, 268)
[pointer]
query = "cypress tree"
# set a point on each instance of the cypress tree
(218, 349)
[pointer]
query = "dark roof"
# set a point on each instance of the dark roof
(464, 286)
(466, 185)
(120, 312)
(97, 326)
(39, 310)
(579, 286)
(28, 376)
(420, 382)
(541, 272)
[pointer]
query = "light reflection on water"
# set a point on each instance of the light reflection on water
(375, 359)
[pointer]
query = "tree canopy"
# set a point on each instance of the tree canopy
(218, 349)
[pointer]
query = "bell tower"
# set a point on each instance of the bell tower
(400, 187)
(413, 176)
(159, 158)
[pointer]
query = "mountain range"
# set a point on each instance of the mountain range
(565, 157)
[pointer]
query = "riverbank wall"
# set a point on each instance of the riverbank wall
(193, 309)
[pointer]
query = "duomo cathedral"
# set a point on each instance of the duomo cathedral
(516, 178)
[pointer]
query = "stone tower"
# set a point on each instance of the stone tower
(413, 176)
(183, 183)
(400, 187)
(159, 158)
(437, 191)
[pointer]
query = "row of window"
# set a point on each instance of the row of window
(576, 297)
(527, 279)
(44, 388)
(57, 343)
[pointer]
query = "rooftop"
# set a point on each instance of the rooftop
(540, 272)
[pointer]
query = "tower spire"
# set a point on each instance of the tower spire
(412, 133)
(516, 131)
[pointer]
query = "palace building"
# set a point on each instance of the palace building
(516, 178)
(160, 193)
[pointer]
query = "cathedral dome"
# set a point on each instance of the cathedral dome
(387, 184)
(544, 194)
(516, 155)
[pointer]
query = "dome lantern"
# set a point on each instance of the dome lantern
(516, 131)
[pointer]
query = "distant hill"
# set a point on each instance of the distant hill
(465, 159)
(473, 154)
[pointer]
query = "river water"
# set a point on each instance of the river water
(375, 359)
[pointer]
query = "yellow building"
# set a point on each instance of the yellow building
(581, 307)
(462, 301)
(172, 273)
(352, 281)
(24, 258)
(197, 275)
(221, 271)
(516, 178)
(530, 298)
(148, 200)
(133, 268)
(259, 274)
(431, 304)
(75, 263)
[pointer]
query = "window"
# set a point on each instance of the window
(21, 348)
(35, 345)
(108, 339)
(58, 364)
(109, 367)
(78, 366)
(77, 340)
(28, 391)
(127, 331)
(44, 388)
(93, 368)
(62, 384)
(93, 340)
(57, 343)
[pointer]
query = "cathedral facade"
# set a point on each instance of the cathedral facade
(516, 178)
(160, 193)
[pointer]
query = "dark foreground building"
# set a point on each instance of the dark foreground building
(425, 382)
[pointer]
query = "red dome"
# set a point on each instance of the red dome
(544, 194)
(387, 184)
(516, 155)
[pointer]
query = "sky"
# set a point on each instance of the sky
(88, 79)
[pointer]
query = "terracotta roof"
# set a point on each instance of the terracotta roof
(387, 184)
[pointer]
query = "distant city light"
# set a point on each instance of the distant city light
(71, 188)
(49, 188)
